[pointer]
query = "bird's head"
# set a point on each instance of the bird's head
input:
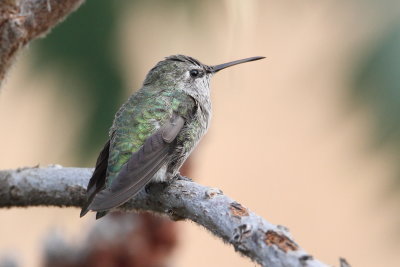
(187, 74)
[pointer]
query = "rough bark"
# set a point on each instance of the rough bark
(268, 244)
(23, 20)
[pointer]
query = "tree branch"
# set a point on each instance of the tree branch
(23, 20)
(261, 241)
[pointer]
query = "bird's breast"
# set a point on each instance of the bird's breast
(195, 129)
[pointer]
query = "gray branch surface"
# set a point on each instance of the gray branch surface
(269, 245)
(24, 20)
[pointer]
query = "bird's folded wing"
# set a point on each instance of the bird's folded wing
(140, 168)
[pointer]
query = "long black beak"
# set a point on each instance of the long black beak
(219, 67)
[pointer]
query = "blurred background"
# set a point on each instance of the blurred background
(308, 138)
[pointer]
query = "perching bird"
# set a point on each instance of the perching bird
(154, 131)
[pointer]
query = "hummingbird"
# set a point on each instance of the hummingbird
(154, 132)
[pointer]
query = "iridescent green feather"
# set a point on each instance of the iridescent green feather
(138, 118)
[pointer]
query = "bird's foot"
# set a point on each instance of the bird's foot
(183, 178)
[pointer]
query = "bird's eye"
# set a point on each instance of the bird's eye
(194, 73)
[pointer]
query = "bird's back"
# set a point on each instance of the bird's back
(138, 119)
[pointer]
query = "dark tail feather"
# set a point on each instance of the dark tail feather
(97, 181)
(101, 214)
(84, 210)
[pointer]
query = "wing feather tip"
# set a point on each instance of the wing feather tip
(101, 214)
(100, 202)
(84, 211)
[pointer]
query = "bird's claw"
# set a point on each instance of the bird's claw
(183, 178)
